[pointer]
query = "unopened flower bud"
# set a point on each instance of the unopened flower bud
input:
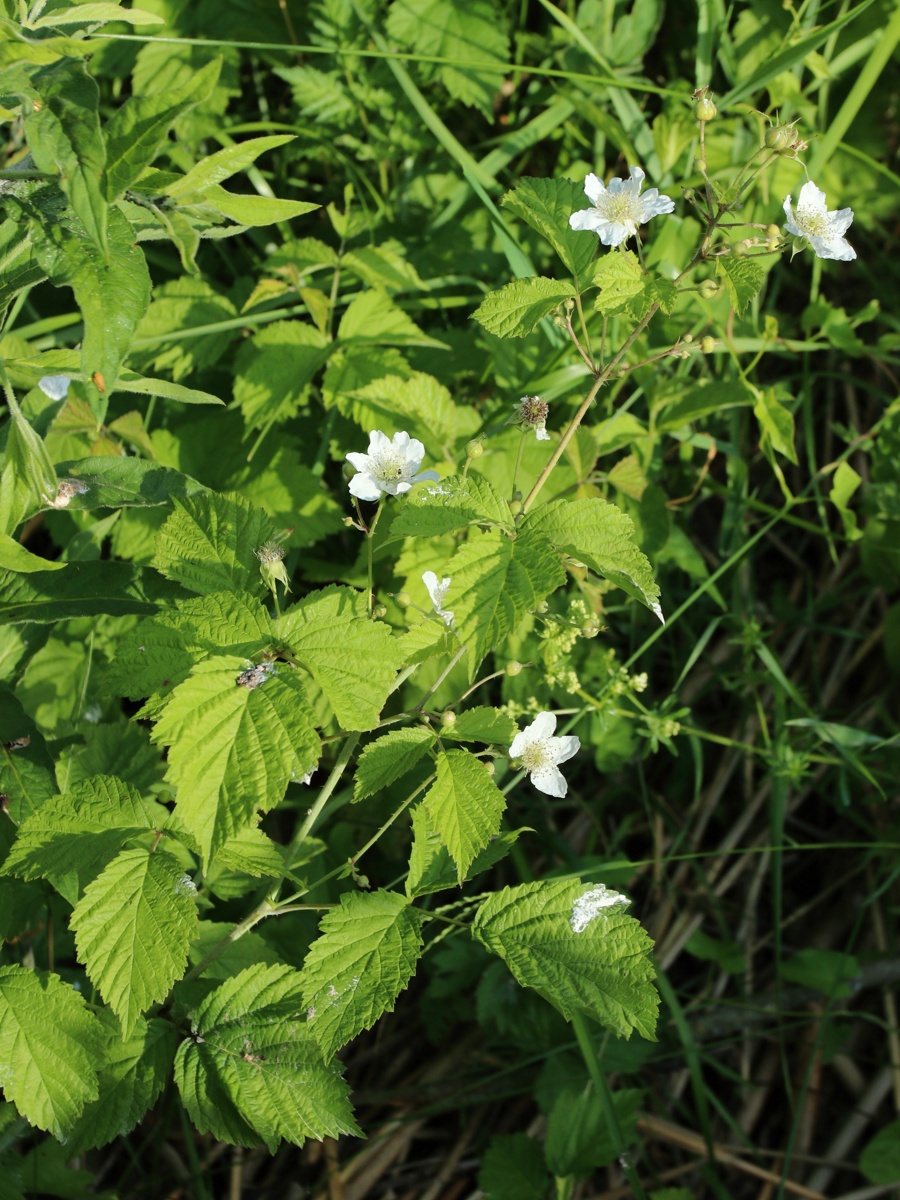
(772, 231)
(488, 766)
(772, 244)
(708, 345)
(403, 599)
(475, 448)
(689, 194)
(379, 612)
(740, 249)
(780, 138)
(513, 668)
(705, 110)
(688, 338)
(708, 288)
(589, 628)
(448, 719)
(543, 607)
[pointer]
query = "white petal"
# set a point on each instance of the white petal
(402, 442)
(833, 247)
(542, 435)
(363, 487)
(616, 185)
(54, 386)
(812, 197)
(615, 233)
(841, 220)
(790, 224)
(543, 726)
(550, 781)
(654, 205)
(431, 476)
(520, 743)
(594, 188)
(362, 462)
(588, 219)
(564, 748)
(414, 450)
(378, 442)
(633, 184)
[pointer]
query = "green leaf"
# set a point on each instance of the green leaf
(547, 204)
(579, 1140)
(431, 867)
(845, 482)
(495, 582)
(356, 969)
(134, 1072)
(116, 482)
(452, 504)
(208, 543)
(517, 308)
(218, 167)
(65, 139)
(50, 1047)
(599, 535)
(655, 291)
(26, 768)
(743, 277)
(701, 402)
(254, 210)
(83, 590)
(16, 558)
(604, 971)
(482, 724)
(113, 293)
(233, 748)
(273, 371)
(388, 758)
(373, 319)
(252, 853)
(880, 1159)
(620, 277)
(252, 1070)
(418, 404)
(465, 806)
(28, 480)
(137, 129)
(352, 658)
(132, 929)
(776, 423)
(512, 1168)
(20, 268)
(72, 837)
(97, 13)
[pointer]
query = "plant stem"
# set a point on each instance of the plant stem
(370, 598)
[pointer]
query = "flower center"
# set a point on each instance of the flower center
(621, 207)
(535, 757)
(389, 468)
(812, 222)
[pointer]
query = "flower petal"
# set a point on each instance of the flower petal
(594, 188)
(431, 476)
(841, 220)
(588, 219)
(378, 442)
(550, 780)
(362, 462)
(812, 197)
(520, 743)
(615, 233)
(363, 487)
(54, 386)
(543, 726)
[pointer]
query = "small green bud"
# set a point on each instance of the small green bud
(780, 138)
(741, 249)
(488, 766)
(543, 607)
(513, 668)
(448, 719)
(379, 612)
(708, 288)
(516, 506)
(688, 338)
(704, 109)
(708, 345)
(271, 565)
(475, 448)
(772, 244)
(403, 599)
(589, 628)
(772, 231)
(689, 194)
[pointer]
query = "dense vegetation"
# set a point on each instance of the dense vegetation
(448, 649)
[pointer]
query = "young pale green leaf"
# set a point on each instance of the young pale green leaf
(28, 480)
(18, 559)
(431, 868)
(234, 748)
(352, 658)
(84, 589)
(743, 277)
(452, 504)
(419, 404)
(137, 129)
(135, 1070)
(495, 581)
(547, 204)
(208, 543)
(356, 969)
(482, 724)
(254, 210)
(218, 167)
(776, 423)
(65, 139)
(252, 1071)
(599, 535)
(620, 277)
(26, 768)
(605, 970)
(661, 292)
(72, 837)
(96, 13)
(273, 371)
(465, 806)
(517, 308)
(427, 639)
(845, 481)
(390, 757)
(132, 929)
(50, 1048)
(130, 381)
(373, 319)
(112, 291)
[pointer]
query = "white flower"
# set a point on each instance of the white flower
(437, 592)
(54, 386)
(592, 904)
(532, 411)
(825, 230)
(389, 467)
(540, 753)
(620, 208)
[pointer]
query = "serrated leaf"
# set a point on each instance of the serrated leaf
(137, 129)
(517, 308)
(425, 640)
(352, 658)
(356, 969)
(132, 929)
(418, 404)
(743, 279)
(451, 504)
(73, 836)
(547, 204)
(372, 318)
(208, 543)
(482, 724)
(65, 139)
(274, 369)
(251, 852)
(494, 582)
(135, 1070)
(599, 535)
(50, 1048)
(465, 806)
(620, 277)
(655, 291)
(513, 1168)
(218, 167)
(390, 757)
(84, 589)
(233, 749)
(252, 1071)
(579, 1139)
(604, 971)
(431, 868)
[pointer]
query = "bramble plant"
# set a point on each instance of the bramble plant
(255, 621)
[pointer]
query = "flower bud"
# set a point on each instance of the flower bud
(708, 345)
(708, 288)
(271, 565)
(780, 138)
(488, 766)
(379, 612)
(403, 599)
(772, 244)
(475, 448)
(448, 719)
(543, 607)
(772, 231)
(740, 249)
(589, 628)
(688, 338)
(513, 668)
(704, 109)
